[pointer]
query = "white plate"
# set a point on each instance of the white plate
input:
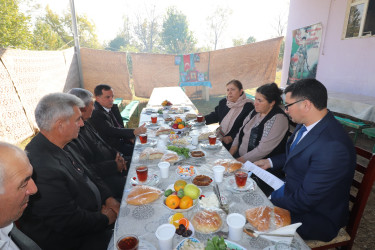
(150, 143)
(206, 145)
(150, 124)
(186, 175)
(180, 245)
(187, 139)
(250, 184)
(198, 158)
(152, 179)
(191, 227)
(195, 123)
(233, 245)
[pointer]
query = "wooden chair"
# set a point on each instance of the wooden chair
(346, 236)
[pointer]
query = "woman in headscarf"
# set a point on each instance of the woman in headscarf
(264, 131)
(230, 113)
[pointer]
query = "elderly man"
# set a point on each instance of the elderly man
(16, 186)
(73, 209)
(98, 155)
(319, 164)
(107, 121)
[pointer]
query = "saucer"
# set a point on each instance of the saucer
(152, 179)
(206, 145)
(150, 124)
(150, 143)
(250, 185)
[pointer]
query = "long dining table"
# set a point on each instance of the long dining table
(143, 220)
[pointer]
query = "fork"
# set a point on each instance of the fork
(225, 207)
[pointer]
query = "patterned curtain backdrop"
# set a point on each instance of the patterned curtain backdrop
(35, 74)
(14, 126)
(252, 64)
(100, 66)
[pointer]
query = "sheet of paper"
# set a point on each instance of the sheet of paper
(267, 177)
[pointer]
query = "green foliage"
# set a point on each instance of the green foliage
(176, 38)
(251, 39)
(14, 26)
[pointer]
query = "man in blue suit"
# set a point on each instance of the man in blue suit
(319, 164)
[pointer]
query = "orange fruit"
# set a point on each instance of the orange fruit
(178, 120)
(172, 201)
(175, 219)
(181, 126)
(184, 222)
(186, 202)
(180, 184)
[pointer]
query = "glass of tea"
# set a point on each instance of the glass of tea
(241, 178)
(199, 118)
(142, 172)
(212, 139)
(143, 138)
(128, 242)
(154, 118)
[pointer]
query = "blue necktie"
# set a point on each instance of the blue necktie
(299, 135)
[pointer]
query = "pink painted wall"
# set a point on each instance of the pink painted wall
(344, 65)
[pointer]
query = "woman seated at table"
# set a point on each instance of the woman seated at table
(264, 131)
(230, 113)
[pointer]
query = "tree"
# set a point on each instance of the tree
(45, 38)
(146, 31)
(280, 25)
(217, 24)
(238, 42)
(176, 38)
(251, 39)
(14, 26)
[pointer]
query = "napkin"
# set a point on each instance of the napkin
(290, 229)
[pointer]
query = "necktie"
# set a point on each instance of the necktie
(117, 124)
(299, 135)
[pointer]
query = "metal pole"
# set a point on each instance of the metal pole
(76, 42)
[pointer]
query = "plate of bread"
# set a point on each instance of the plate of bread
(207, 222)
(149, 154)
(142, 194)
(230, 165)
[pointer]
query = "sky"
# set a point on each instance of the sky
(256, 18)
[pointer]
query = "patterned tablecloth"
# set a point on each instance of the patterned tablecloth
(144, 220)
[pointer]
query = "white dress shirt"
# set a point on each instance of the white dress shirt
(6, 242)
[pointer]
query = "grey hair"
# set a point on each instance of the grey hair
(83, 94)
(53, 107)
(18, 154)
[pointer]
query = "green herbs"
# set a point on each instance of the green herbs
(180, 151)
(216, 243)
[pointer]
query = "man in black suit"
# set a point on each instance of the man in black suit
(16, 186)
(73, 208)
(104, 160)
(106, 119)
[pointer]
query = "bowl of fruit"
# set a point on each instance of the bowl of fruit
(178, 125)
(180, 196)
(166, 104)
(182, 225)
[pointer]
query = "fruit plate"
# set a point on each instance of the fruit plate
(186, 171)
(191, 227)
(183, 242)
(179, 210)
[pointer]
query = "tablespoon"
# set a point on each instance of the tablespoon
(255, 234)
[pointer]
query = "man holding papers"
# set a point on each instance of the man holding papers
(319, 164)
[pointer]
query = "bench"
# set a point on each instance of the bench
(128, 111)
(118, 102)
(358, 126)
(370, 132)
(251, 97)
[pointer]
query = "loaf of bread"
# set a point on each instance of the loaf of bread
(229, 164)
(207, 221)
(170, 157)
(163, 131)
(266, 218)
(150, 154)
(140, 195)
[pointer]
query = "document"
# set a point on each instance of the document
(267, 177)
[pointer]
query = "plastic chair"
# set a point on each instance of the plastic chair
(346, 236)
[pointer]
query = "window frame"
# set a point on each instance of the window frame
(349, 5)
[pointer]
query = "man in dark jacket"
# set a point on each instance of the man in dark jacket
(106, 119)
(104, 160)
(73, 208)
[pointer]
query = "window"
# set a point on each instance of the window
(360, 19)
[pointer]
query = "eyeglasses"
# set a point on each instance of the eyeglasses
(290, 104)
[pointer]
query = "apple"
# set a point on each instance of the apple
(192, 191)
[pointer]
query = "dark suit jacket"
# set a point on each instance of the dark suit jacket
(319, 172)
(65, 209)
(103, 123)
(95, 151)
(222, 110)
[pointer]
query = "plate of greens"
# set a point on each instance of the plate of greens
(217, 243)
(180, 150)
